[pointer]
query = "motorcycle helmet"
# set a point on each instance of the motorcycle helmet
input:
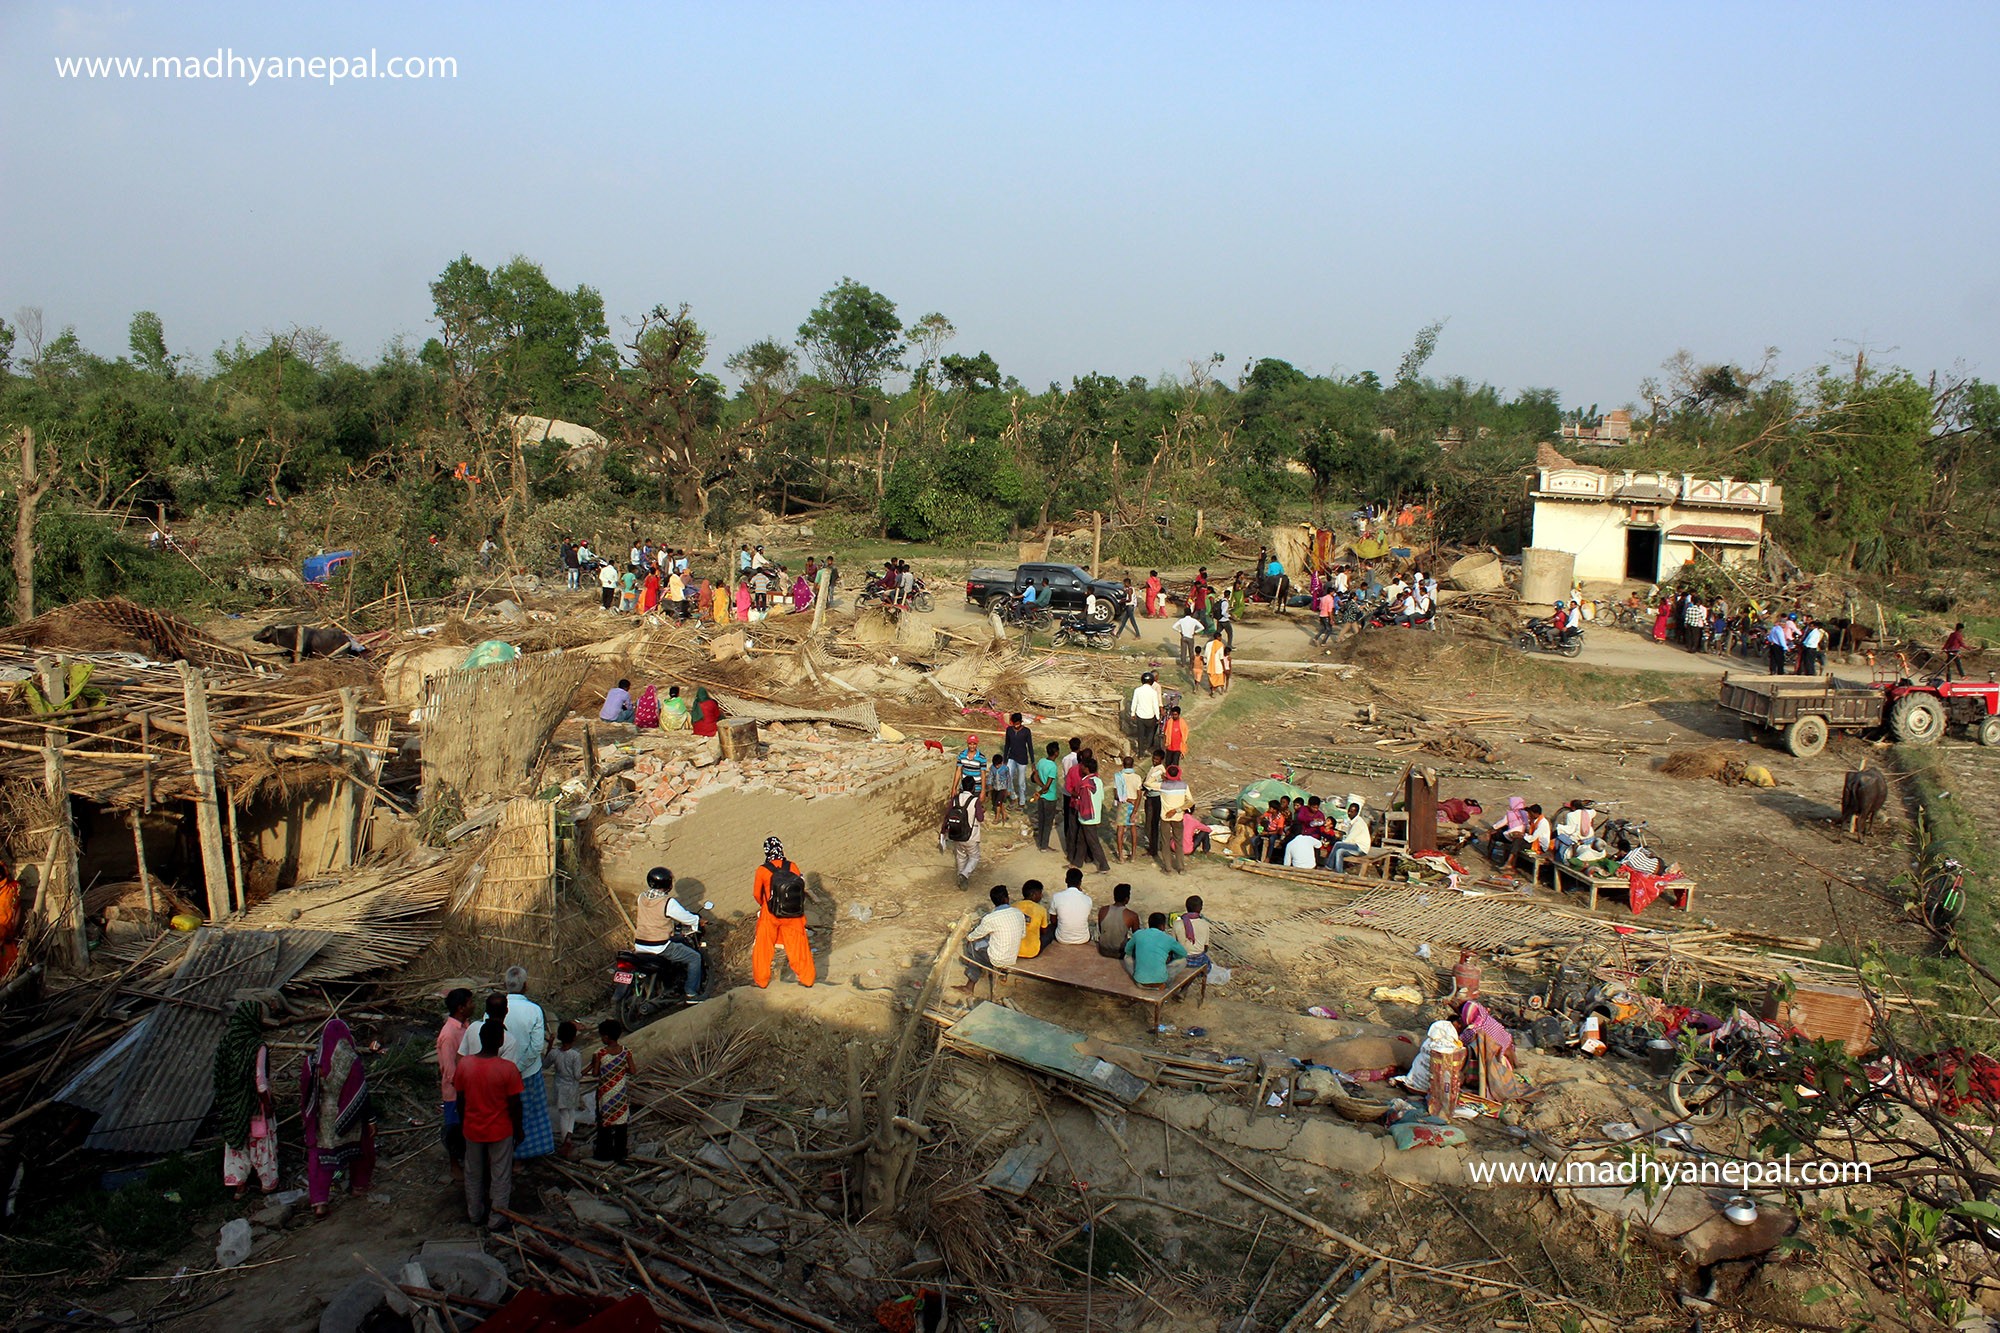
(660, 879)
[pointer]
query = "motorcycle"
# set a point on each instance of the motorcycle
(1013, 611)
(1542, 636)
(1074, 629)
(882, 592)
(645, 985)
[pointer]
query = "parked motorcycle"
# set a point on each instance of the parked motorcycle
(1541, 636)
(645, 985)
(1074, 629)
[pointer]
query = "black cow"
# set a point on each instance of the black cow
(299, 642)
(1861, 798)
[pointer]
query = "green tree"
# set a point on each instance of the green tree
(147, 338)
(853, 337)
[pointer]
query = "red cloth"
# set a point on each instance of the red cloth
(484, 1083)
(706, 717)
(1644, 887)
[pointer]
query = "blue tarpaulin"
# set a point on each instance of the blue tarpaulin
(318, 568)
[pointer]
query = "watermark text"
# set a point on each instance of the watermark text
(225, 65)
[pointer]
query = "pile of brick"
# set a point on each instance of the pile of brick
(811, 760)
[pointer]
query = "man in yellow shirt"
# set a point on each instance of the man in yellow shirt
(1040, 929)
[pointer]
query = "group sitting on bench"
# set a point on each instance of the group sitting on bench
(1154, 954)
(1304, 836)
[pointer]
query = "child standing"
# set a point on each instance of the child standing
(1126, 830)
(567, 1062)
(613, 1068)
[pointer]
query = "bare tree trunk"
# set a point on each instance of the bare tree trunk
(34, 485)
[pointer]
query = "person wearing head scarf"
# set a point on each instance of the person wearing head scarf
(1509, 833)
(243, 1105)
(646, 712)
(338, 1119)
(704, 713)
(779, 888)
(1492, 1045)
(743, 599)
(802, 594)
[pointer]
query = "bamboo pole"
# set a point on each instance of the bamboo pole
(240, 894)
(61, 869)
(349, 799)
(145, 878)
(208, 819)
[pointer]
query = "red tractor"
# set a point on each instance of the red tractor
(1920, 712)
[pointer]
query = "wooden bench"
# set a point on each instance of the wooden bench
(1083, 967)
(1568, 877)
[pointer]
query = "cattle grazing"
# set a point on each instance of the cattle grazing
(1861, 798)
(1849, 636)
(302, 641)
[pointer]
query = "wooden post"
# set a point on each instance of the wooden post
(349, 798)
(1096, 538)
(208, 818)
(145, 878)
(819, 599)
(61, 891)
(1420, 804)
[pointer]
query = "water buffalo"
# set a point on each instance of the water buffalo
(302, 641)
(1861, 798)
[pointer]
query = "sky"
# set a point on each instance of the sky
(1577, 190)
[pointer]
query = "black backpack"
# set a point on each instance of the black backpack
(787, 899)
(958, 820)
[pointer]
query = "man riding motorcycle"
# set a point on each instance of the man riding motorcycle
(660, 922)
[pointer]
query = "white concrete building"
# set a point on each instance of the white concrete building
(1646, 525)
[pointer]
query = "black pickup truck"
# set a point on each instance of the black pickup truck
(1065, 584)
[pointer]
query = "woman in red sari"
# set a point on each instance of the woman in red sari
(649, 597)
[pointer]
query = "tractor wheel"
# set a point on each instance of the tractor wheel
(1807, 736)
(1988, 731)
(1917, 719)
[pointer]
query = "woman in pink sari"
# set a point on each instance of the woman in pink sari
(802, 594)
(338, 1117)
(742, 600)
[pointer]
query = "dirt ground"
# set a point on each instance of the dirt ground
(1766, 859)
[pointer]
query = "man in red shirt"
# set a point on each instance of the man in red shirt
(489, 1104)
(1954, 650)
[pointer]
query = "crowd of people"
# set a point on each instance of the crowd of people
(1151, 947)
(656, 578)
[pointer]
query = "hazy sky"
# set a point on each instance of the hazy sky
(1580, 190)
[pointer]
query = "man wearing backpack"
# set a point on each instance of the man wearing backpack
(959, 834)
(780, 890)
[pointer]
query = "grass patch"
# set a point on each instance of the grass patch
(97, 1234)
(1946, 828)
(1245, 700)
(1543, 675)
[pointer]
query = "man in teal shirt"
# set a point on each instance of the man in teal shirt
(1149, 951)
(1048, 799)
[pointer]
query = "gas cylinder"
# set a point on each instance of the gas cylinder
(1465, 977)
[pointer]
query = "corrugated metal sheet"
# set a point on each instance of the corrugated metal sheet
(154, 1087)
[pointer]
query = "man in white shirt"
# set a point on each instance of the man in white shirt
(1187, 627)
(995, 943)
(1146, 712)
(528, 1029)
(1356, 839)
(1340, 581)
(1072, 909)
(1090, 605)
(1302, 852)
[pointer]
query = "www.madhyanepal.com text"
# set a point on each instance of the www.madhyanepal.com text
(226, 65)
(1775, 1173)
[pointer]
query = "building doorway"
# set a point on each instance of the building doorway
(1642, 554)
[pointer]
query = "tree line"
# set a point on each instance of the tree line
(896, 428)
